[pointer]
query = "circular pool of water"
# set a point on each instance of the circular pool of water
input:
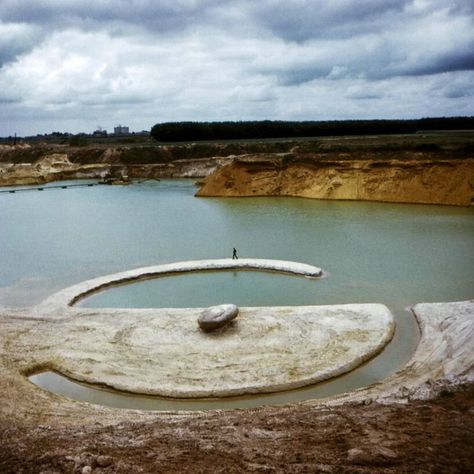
(203, 289)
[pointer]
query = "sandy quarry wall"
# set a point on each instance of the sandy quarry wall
(381, 174)
(444, 181)
(106, 163)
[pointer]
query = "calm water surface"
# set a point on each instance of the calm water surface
(393, 254)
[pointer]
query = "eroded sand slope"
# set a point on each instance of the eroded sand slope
(415, 180)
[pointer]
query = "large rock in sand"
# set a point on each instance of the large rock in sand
(218, 316)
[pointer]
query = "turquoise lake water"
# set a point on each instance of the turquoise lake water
(372, 252)
(396, 254)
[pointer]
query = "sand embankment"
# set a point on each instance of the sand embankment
(27, 165)
(46, 170)
(365, 169)
(417, 178)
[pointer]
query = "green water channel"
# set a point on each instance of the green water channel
(371, 252)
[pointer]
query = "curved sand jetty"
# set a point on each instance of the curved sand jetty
(57, 336)
(71, 295)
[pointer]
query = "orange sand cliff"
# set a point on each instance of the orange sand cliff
(415, 180)
(359, 170)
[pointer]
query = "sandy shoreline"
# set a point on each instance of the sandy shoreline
(42, 422)
(442, 360)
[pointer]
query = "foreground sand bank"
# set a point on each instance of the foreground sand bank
(442, 361)
(419, 419)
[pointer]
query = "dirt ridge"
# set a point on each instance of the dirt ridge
(415, 169)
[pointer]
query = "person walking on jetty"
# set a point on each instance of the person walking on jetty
(234, 255)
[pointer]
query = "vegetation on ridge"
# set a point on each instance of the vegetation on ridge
(186, 131)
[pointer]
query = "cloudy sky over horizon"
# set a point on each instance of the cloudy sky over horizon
(73, 65)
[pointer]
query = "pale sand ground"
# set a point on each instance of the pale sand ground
(107, 345)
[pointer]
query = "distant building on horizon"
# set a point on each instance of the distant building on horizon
(121, 130)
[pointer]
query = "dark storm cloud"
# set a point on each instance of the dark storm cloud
(161, 16)
(458, 93)
(364, 96)
(9, 53)
(456, 61)
(16, 39)
(302, 20)
(298, 76)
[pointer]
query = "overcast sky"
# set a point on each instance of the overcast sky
(72, 65)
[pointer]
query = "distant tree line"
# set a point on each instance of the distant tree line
(191, 131)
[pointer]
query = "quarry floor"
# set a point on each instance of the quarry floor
(420, 419)
(421, 436)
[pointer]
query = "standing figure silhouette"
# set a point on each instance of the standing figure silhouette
(234, 255)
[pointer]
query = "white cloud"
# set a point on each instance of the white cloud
(75, 66)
